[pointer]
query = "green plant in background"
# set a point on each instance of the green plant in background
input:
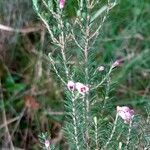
(88, 83)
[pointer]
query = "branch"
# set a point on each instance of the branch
(26, 30)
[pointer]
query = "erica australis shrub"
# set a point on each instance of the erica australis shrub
(88, 125)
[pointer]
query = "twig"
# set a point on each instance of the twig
(49, 30)
(62, 41)
(26, 30)
(9, 122)
(96, 132)
(56, 71)
(50, 112)
(17, 123)
(75, 122)
(77, 43)
(109, 7)
(86, 52)
(104, 79)
(53, 13)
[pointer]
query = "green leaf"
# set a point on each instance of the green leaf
(15, 87)
(98, 13)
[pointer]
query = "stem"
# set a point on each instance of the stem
(112, 133)
(86, 48)
(96, 131)
(49, 30)
(110, 6)
(75, 123)
(51, 11)
(104, 79)
(56, 71)
(77, 43)
(62, 41)
(129, 133)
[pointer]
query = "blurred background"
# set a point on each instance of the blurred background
(31, 99)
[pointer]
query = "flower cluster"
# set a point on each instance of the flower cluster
(125, 113)
(81, 88)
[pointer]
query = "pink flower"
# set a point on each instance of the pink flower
(82, 89)
(71, 85)
(61, 4)
(125, 113)
(47, 143)
(116, 63)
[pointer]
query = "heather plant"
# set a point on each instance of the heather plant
(87, 83)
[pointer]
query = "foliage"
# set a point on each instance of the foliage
(33, 94)
(81, 130)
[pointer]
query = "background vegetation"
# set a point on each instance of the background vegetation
(32, 100)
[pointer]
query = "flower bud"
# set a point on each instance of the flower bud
(101, 68)
(95, 120)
